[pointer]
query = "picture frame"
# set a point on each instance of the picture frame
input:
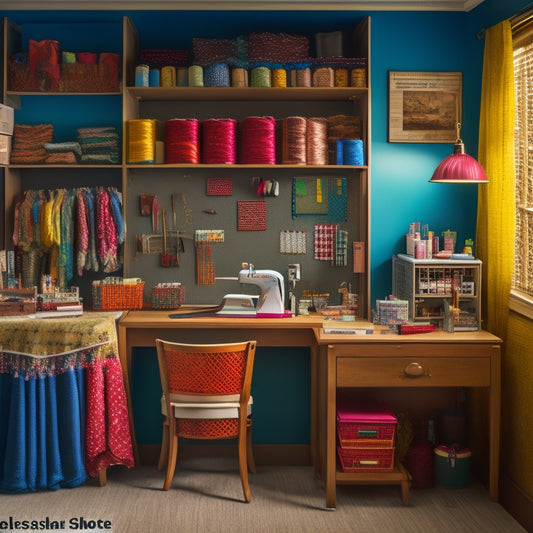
(424, 107)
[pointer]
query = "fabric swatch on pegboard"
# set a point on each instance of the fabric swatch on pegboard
(251, 216)
(292, 242)
(219, 187)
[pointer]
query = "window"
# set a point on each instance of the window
(522, 281)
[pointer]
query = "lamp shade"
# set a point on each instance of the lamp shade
(459, 167)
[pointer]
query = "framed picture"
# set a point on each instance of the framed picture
(424, 107)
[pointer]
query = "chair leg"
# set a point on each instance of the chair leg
(249, 449)
(243, 465)
(163, 454)
(172, 456)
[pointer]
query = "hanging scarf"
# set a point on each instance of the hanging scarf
(82, 236)
(106, 236)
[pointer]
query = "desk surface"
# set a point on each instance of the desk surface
(161, 319)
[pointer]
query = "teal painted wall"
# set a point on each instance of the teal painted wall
(400, 192)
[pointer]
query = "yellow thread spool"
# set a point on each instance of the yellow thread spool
(142, 140)
(279, 77)
(341, 77)
(196, 76)
(168, 77)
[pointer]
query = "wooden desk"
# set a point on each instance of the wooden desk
(446, 360)
(141, 328)
(452, 360)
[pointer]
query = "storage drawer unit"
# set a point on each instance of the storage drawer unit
(428, 284)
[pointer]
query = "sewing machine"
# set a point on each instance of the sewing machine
(269, 303)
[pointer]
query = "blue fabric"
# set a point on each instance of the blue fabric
(36, 451)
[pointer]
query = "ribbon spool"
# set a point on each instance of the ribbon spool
(141, 140)
(258, 141)
(294, 147)
(219, 141)
(181, 141)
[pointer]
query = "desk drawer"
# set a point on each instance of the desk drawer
(413, 372)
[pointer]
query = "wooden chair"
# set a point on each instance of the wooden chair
(206, 395)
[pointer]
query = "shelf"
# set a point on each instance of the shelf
(247, 93)
(235, 166)
(72, 166)
(46, 93)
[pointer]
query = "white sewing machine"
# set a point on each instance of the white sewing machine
(268, 304)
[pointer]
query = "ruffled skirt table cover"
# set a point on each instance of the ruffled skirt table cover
(63, 408)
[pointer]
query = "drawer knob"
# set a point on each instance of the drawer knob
(414, 370)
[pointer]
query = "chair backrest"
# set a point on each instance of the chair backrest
(208, 372)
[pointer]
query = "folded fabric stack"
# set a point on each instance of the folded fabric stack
(99, 145)
(63, 153)
(28, 144)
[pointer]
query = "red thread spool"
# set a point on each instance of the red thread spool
(294, 141)
(219, 144)
(258, 145)
(181, 141)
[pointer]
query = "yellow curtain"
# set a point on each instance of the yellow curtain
(496, 200)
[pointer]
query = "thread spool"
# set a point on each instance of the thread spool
(301, 77)
(239, 77)
(260, 77)
(196, 76)
(323, 77)
(258, 141)
(350, 152)
(219, 141)
(294, 147)
(141, 140)
(217, 75)
(181, 141)
(358, 77)
(279, 77)
(341, 77)
(182, 78)
(317, 141)
(168, 76)
(153, 77)
(141, 75)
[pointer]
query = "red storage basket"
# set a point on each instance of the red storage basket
(366, 459)
(365, 429)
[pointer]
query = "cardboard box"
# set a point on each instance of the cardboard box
(5, 149)
(7, 119)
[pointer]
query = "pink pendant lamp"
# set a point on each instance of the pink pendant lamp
(459, 167)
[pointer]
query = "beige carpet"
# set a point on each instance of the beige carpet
(206, 497)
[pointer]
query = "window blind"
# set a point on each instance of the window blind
(523, 68)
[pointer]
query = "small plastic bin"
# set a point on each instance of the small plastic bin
(452, 466)
(366, 459)
(372, 428)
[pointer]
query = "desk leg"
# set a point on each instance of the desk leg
(331, 452)
(125, 354)
(495, 421)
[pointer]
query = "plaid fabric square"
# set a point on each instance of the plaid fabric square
(219, 187)
(251, 216)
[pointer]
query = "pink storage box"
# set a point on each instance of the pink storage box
(365, 428)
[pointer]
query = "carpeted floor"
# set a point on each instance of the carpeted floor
(206, 497)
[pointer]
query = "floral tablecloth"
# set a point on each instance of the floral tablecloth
(63, 408)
